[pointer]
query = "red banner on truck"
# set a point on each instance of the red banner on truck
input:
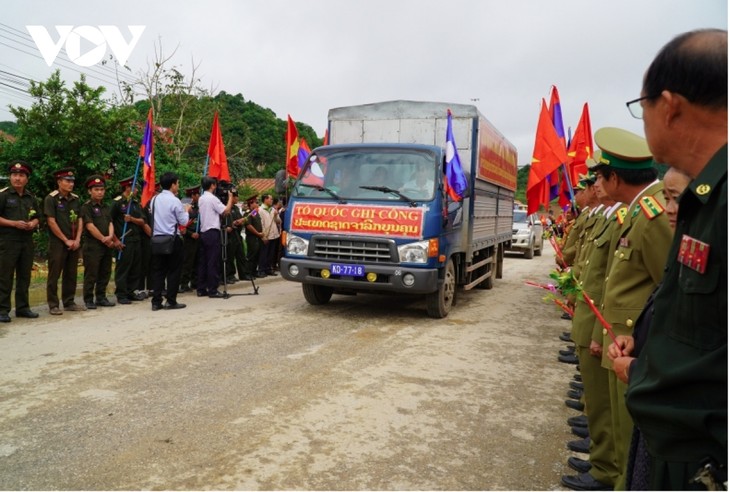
(497, 157)
(367, 220)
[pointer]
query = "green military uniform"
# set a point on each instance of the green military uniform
(128, 266)
(65, 211)
(571, 247)
(97, 256)
(642, 245)
(253, 242)
(145, 279)
(677, 393)
(594, 216)
(16, 245)
(235, 255)
(595, 378)
(191, 240)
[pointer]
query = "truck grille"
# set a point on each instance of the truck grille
(354, 250)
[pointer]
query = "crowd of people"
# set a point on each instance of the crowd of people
(644, 268)
(153, 252)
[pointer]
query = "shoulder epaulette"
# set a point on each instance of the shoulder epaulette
(621, 214)
(4, 189)
(53, 193)
(117, 198)
(651, 207)
(74, 195)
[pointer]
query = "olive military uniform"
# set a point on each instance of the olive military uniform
(66, 212)
(236, 259)
(128, 267)
(678, 388)
(253, 242)
(16, 246)
(97, 256)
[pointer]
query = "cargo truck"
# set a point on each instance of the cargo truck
(370, 212)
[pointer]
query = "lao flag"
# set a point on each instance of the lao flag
(455, 180)
(303, 153)
(146, 151)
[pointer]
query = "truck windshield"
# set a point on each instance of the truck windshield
(368, 174)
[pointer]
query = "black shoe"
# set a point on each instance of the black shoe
(579, 465)
(579, 421)
(90, 305)
(123, 300)
(247, 278)
(4, 318)
(138, 297)
(177, 305)
(580, 431)
(575, 394)
(231, 280)
(575, 405)
(104, 302)
(272, 274)
(156, 307)
(183, 289)
(261, 275)
(202, 293)
(566, 316)
(584, 481)
(576, 385)
(217, 295)
(25, 313)
(578, 377)
(565, 337)
(568, 359)
(568, 351)
(580, 445)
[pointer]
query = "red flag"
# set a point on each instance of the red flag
(581, 146)
(548, 155)
(217, 161)
(292, 148)
(147, 153)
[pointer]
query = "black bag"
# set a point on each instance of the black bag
(162, 245)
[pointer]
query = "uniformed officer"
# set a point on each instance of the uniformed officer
(254, 238)
(600, 471)
(678, 386)
(62, 209)
(640, 251)
(191, 237)
(235, 255)
(19, 218)
(128, 219)
(99, 244)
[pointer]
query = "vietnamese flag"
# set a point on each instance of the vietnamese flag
(146, 152)
(549, 154)
(581, 147)
(217, 161)
(292, 148)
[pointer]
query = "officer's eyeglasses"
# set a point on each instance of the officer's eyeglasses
(635, 107)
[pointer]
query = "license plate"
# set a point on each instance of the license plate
(348, 270)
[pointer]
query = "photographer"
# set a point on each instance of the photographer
(210, 209)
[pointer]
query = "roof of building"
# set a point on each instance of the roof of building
(258, 184)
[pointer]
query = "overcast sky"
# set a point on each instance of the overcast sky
(305, 57)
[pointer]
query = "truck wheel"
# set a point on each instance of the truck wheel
(538, 251)
(488, 282)
(317, 294)
(438, 304)
(530, 251)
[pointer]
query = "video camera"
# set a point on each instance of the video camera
(222, 190)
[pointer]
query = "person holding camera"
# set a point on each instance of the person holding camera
(210, 209)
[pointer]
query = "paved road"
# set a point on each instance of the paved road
(267, 392)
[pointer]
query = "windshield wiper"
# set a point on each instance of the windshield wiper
(325, 189)
(385, 189)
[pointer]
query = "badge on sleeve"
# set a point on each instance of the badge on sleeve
(693, 253)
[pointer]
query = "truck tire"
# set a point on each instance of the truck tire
(488, 283)
(317, 295)
(530, 251)
(438, 304)
(538, 251)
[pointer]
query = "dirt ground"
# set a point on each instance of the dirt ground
(265, 392)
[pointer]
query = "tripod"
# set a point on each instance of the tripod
(224, 259)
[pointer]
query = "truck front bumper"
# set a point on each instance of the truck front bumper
(388, 278)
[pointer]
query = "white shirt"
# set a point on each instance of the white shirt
(210, 209)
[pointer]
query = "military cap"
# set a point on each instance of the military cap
(252, 199)
(622, 149)
(579, 186)
(126, 182)
(67, 173)
(587, 179)
(20, 167)
(193, 190)
(95, 181)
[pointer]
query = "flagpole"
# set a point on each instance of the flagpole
(567, 176)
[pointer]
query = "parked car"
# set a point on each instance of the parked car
(526, 234)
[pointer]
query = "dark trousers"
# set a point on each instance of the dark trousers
(16, 259)
(209, 261)
(145, 278)
(127, 270)
(61, 260)
(190, 262)
(236, 257)
(253, 249)
(97, 269)
(266, 256)
(166, 270)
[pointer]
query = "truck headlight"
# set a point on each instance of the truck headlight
(297, 246)
(413, 252)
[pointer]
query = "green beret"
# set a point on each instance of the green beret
(622, 149)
